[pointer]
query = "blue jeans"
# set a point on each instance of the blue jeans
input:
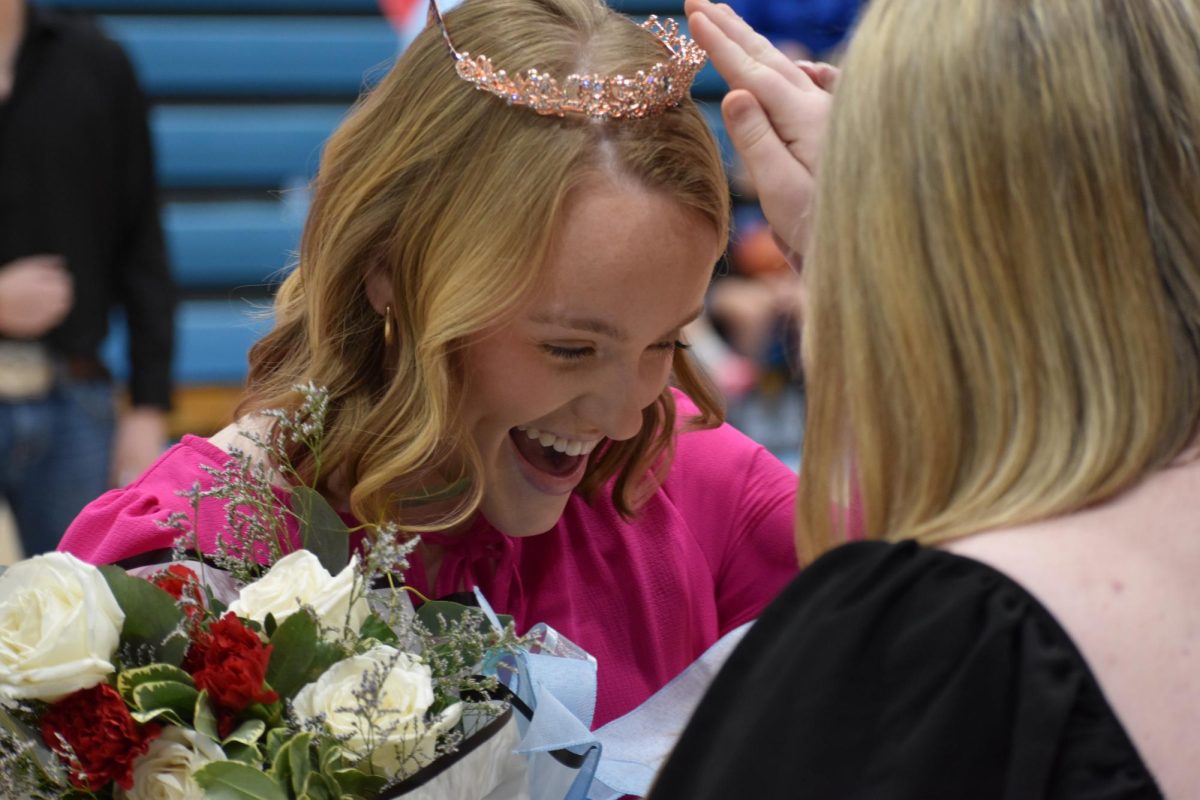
(56, 453)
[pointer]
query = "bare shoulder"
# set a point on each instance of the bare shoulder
(234, 435)
(1121, 579)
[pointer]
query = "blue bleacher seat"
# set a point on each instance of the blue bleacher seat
(212, 340)
(215, 146)
(255, 56)
(232, 244)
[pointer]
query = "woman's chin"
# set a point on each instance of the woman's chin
(521, 519)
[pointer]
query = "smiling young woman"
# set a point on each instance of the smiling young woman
(495, 299)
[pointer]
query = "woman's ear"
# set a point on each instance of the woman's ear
(379, 288)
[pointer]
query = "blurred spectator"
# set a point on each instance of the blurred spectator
(756, 306)
(79, 233)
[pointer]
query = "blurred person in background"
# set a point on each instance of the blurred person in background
(79, 234)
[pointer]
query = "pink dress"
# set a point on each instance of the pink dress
(645, 596)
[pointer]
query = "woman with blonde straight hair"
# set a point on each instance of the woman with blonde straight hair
(1003, 360)
(494, 292)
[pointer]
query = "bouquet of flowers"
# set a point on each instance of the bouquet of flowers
(258, 671)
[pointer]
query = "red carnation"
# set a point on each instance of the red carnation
(101, 739)
(177, 579)
(230, 661)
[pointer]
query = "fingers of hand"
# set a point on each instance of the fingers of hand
(825, 76)
(738, 52)
(798, 114)
(785, 183)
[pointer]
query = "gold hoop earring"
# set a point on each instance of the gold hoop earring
(388, 333)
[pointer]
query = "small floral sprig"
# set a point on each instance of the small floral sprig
(313, 677)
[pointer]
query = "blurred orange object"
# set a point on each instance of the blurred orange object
(755, 253)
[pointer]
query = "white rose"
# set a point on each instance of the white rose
(401, 741)
(164, 771)
(299, 579)
(59, 628)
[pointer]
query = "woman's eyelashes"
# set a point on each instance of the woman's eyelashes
(577, 353)
(568, 353)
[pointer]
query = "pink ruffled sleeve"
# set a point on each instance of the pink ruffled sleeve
(125, 522)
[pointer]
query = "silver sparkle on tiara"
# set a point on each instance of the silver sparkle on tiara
(598, 96)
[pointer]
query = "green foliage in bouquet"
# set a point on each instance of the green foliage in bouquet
(260, 671)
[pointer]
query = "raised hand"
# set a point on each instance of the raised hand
(776, 114)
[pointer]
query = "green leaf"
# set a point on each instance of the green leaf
(435, 615)
(269, 625)
(330, 754)
(142, 717)
(322, 531)
(151, 616)
(359, 783)
(374, 627)
(171, 695)
(276, 738)
(130, 679)
(299, 760)
(232, 780)
(298, 655)
(321, 787)
(205, 718)
(215, 607)
(246, 733)
(281, 765)
(245, 753)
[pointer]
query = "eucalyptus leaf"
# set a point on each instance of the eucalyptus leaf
(298, 655)
(435, 615)
(322, 530)
(151, 616)
(293, 649)
(233, 780)
(374, 627)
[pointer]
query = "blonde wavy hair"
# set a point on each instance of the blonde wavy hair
(456, 197)
(1005, 274)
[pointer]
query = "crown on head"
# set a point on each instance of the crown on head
(643, 94)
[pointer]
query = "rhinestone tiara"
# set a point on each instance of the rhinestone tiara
(644, 94)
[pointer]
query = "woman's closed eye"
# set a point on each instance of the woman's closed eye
(580, 352)
(569, 353)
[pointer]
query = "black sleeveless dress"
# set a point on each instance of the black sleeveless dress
(895, 671)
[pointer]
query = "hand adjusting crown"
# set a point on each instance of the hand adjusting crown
(598, 96)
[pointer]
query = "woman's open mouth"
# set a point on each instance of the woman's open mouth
(560, 460)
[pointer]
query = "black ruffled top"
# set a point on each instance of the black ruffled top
(896, 671)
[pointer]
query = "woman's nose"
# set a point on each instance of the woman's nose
(615, 405)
